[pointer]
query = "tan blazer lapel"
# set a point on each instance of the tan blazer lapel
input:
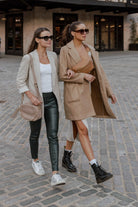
(52, 63)
(51, 60)
(73, 52)
(37, 69)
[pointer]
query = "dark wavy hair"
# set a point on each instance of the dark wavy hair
(37, 33)
(66, 34)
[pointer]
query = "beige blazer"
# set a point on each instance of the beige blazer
(25, 79)
(79, 101)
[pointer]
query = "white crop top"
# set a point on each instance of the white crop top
(46, 80)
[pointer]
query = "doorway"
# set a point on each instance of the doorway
(14, 34)
(108, 33)
(59, 23)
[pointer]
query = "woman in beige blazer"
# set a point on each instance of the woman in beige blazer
(86, 92)
(45, 68)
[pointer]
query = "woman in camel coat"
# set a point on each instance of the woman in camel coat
(86, 92)
(79, 103)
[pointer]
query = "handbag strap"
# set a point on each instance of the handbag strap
(32, 67)
(35, 84)
(34, 77)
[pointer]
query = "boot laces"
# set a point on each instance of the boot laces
(101, 168)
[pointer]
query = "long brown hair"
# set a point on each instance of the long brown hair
(37, 33)
(66, 34)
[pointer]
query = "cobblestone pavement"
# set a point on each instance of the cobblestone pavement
(114, 142)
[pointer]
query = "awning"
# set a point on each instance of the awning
(131, 6)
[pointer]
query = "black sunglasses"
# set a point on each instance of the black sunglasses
(81, 31)
(46, 38)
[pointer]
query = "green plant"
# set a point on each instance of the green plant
(133, 38)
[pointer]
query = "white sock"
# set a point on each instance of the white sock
(35, 160)
(68, 150)
(93, 162)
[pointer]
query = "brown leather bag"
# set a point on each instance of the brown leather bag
(28, 111)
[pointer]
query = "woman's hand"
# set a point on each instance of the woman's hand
(89, 77)
(113, 99)
(70, 73)
(35, 101)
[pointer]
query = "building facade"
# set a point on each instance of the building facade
(108, 22)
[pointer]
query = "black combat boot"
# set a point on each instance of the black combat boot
(100, 174)
(67, 163)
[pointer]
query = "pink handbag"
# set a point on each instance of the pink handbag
(30, 112)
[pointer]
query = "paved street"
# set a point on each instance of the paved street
(115, 143)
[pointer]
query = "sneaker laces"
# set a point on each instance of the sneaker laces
(69, 154)
(39, 164)
(57, 176)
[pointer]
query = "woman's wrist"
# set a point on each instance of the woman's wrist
(29, 94)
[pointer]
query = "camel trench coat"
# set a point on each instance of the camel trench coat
(81, 99)
(25, 81)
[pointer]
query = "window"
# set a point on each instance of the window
(14, 34)
(108, 33)
(59, 23)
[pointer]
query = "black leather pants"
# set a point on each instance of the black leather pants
(51, 116)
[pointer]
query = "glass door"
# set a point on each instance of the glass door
(104, 39)
(108, 33)
(59, 23)
(112, 34)
(14, 34)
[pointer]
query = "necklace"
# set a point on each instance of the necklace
(43, 56)
(43, 59)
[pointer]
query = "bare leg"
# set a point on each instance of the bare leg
(100, 174)
(84, 140)
(69, 144)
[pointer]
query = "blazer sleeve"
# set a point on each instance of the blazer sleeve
(78, 77)
(22, 75)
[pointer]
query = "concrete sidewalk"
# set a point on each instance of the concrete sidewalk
(114, 142)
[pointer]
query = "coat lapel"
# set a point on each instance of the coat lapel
(75, 55)
(73, 52)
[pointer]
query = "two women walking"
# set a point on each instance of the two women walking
(86, 91)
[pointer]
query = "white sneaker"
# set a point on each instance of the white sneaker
(57, 180)
(38, 168)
